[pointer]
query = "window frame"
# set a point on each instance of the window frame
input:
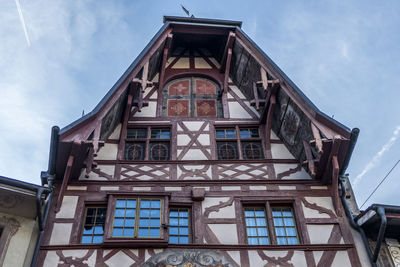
(191, 228)
(193, 97)
(238, 140)
(109, 239)
(147, 141)
(268, 204)
(92, 205)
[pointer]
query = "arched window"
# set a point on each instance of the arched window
(192, 97)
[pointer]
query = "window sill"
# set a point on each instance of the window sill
(143, 242)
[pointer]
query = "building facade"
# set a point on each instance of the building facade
(204, 153)
(21, 216)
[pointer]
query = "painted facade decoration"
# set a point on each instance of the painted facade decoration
(202, 154)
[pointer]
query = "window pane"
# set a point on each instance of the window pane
(281, 241)
(88, 230)
(261, 222)
(252, 241)
(280, 231)
(131, 203)
(155, 213)
(278, 222)
(252, 150)
(173, 213)
(288, 221)
(98, 230)
(144, 213)
(249, 133)
(154, 232)
(249, 213)
(136, 133)
(97, 239)
(227, 150)
(160, 133)
(129, 232)
(225, 133)
(134, 150)
(259, 213)
(159, 151)
(143, 232)
(263, 241)
(251, 231)
(119, 212)
(183, 240)
(155, 204)
(155, 223)
(117, 231)
(173, 221)
(291, 231)
(293, 241)
(118, 222)
(144, 203)
(120, 203)
(173, 230)
(144, 223)
(250, 222)
(130, 212)
(86, 239)
(262, 231)
(183, 231)
(173, 239)
(130, 222)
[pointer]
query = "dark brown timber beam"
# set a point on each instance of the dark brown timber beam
(229, 45)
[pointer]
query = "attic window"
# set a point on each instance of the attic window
(192, 97)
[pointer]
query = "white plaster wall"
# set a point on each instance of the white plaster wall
(195, 154)
(319, 234)
(51, 259)
(361, 251)
(237, 91)
(212, 201)
(68, 207)
(279, 151)
(194, 125)
(310, 213)
(116, 133)
(108, 169)
(325, 202)
(61, 234)
(183, 139)
(107, 152)
(226, 233)
(200, 63)
(213, 60)
(193, 168)
(19, 246)
(183, 63)
(301, 174)
(149, 111)
(120, 259)
(341, 259)
(237, 111)
(298, 258)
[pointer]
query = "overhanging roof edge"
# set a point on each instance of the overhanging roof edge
(117, 84)
(213, 22)
(298, 90)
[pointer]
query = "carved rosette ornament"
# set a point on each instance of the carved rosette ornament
(188, 258)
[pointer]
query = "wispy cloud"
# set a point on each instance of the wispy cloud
(21, 18)
(378, 156)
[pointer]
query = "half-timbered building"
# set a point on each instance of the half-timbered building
(204, 153)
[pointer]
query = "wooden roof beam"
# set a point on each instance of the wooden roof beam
(229, 45)
(167, 46)
(270, 99)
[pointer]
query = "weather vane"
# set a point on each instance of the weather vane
(187, 12)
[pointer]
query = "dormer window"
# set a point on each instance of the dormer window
(192, 97)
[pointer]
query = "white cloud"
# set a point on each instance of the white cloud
(375, 160)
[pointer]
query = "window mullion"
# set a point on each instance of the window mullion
(137, 212)
(271, 228)
(239, 145)
(148, 143)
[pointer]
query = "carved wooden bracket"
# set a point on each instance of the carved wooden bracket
(144, 83)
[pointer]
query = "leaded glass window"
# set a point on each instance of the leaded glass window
(285, 228)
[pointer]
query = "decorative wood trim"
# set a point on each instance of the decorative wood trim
(10, 228)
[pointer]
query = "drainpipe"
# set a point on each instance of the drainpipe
(342, 177)
(382, 228)
(48, 176)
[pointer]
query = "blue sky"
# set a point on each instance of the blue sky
(344, 55)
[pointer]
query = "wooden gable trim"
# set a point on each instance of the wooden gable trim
(83, 129)
(306, 106)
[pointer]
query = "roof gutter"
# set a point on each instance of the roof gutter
(47, 178)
